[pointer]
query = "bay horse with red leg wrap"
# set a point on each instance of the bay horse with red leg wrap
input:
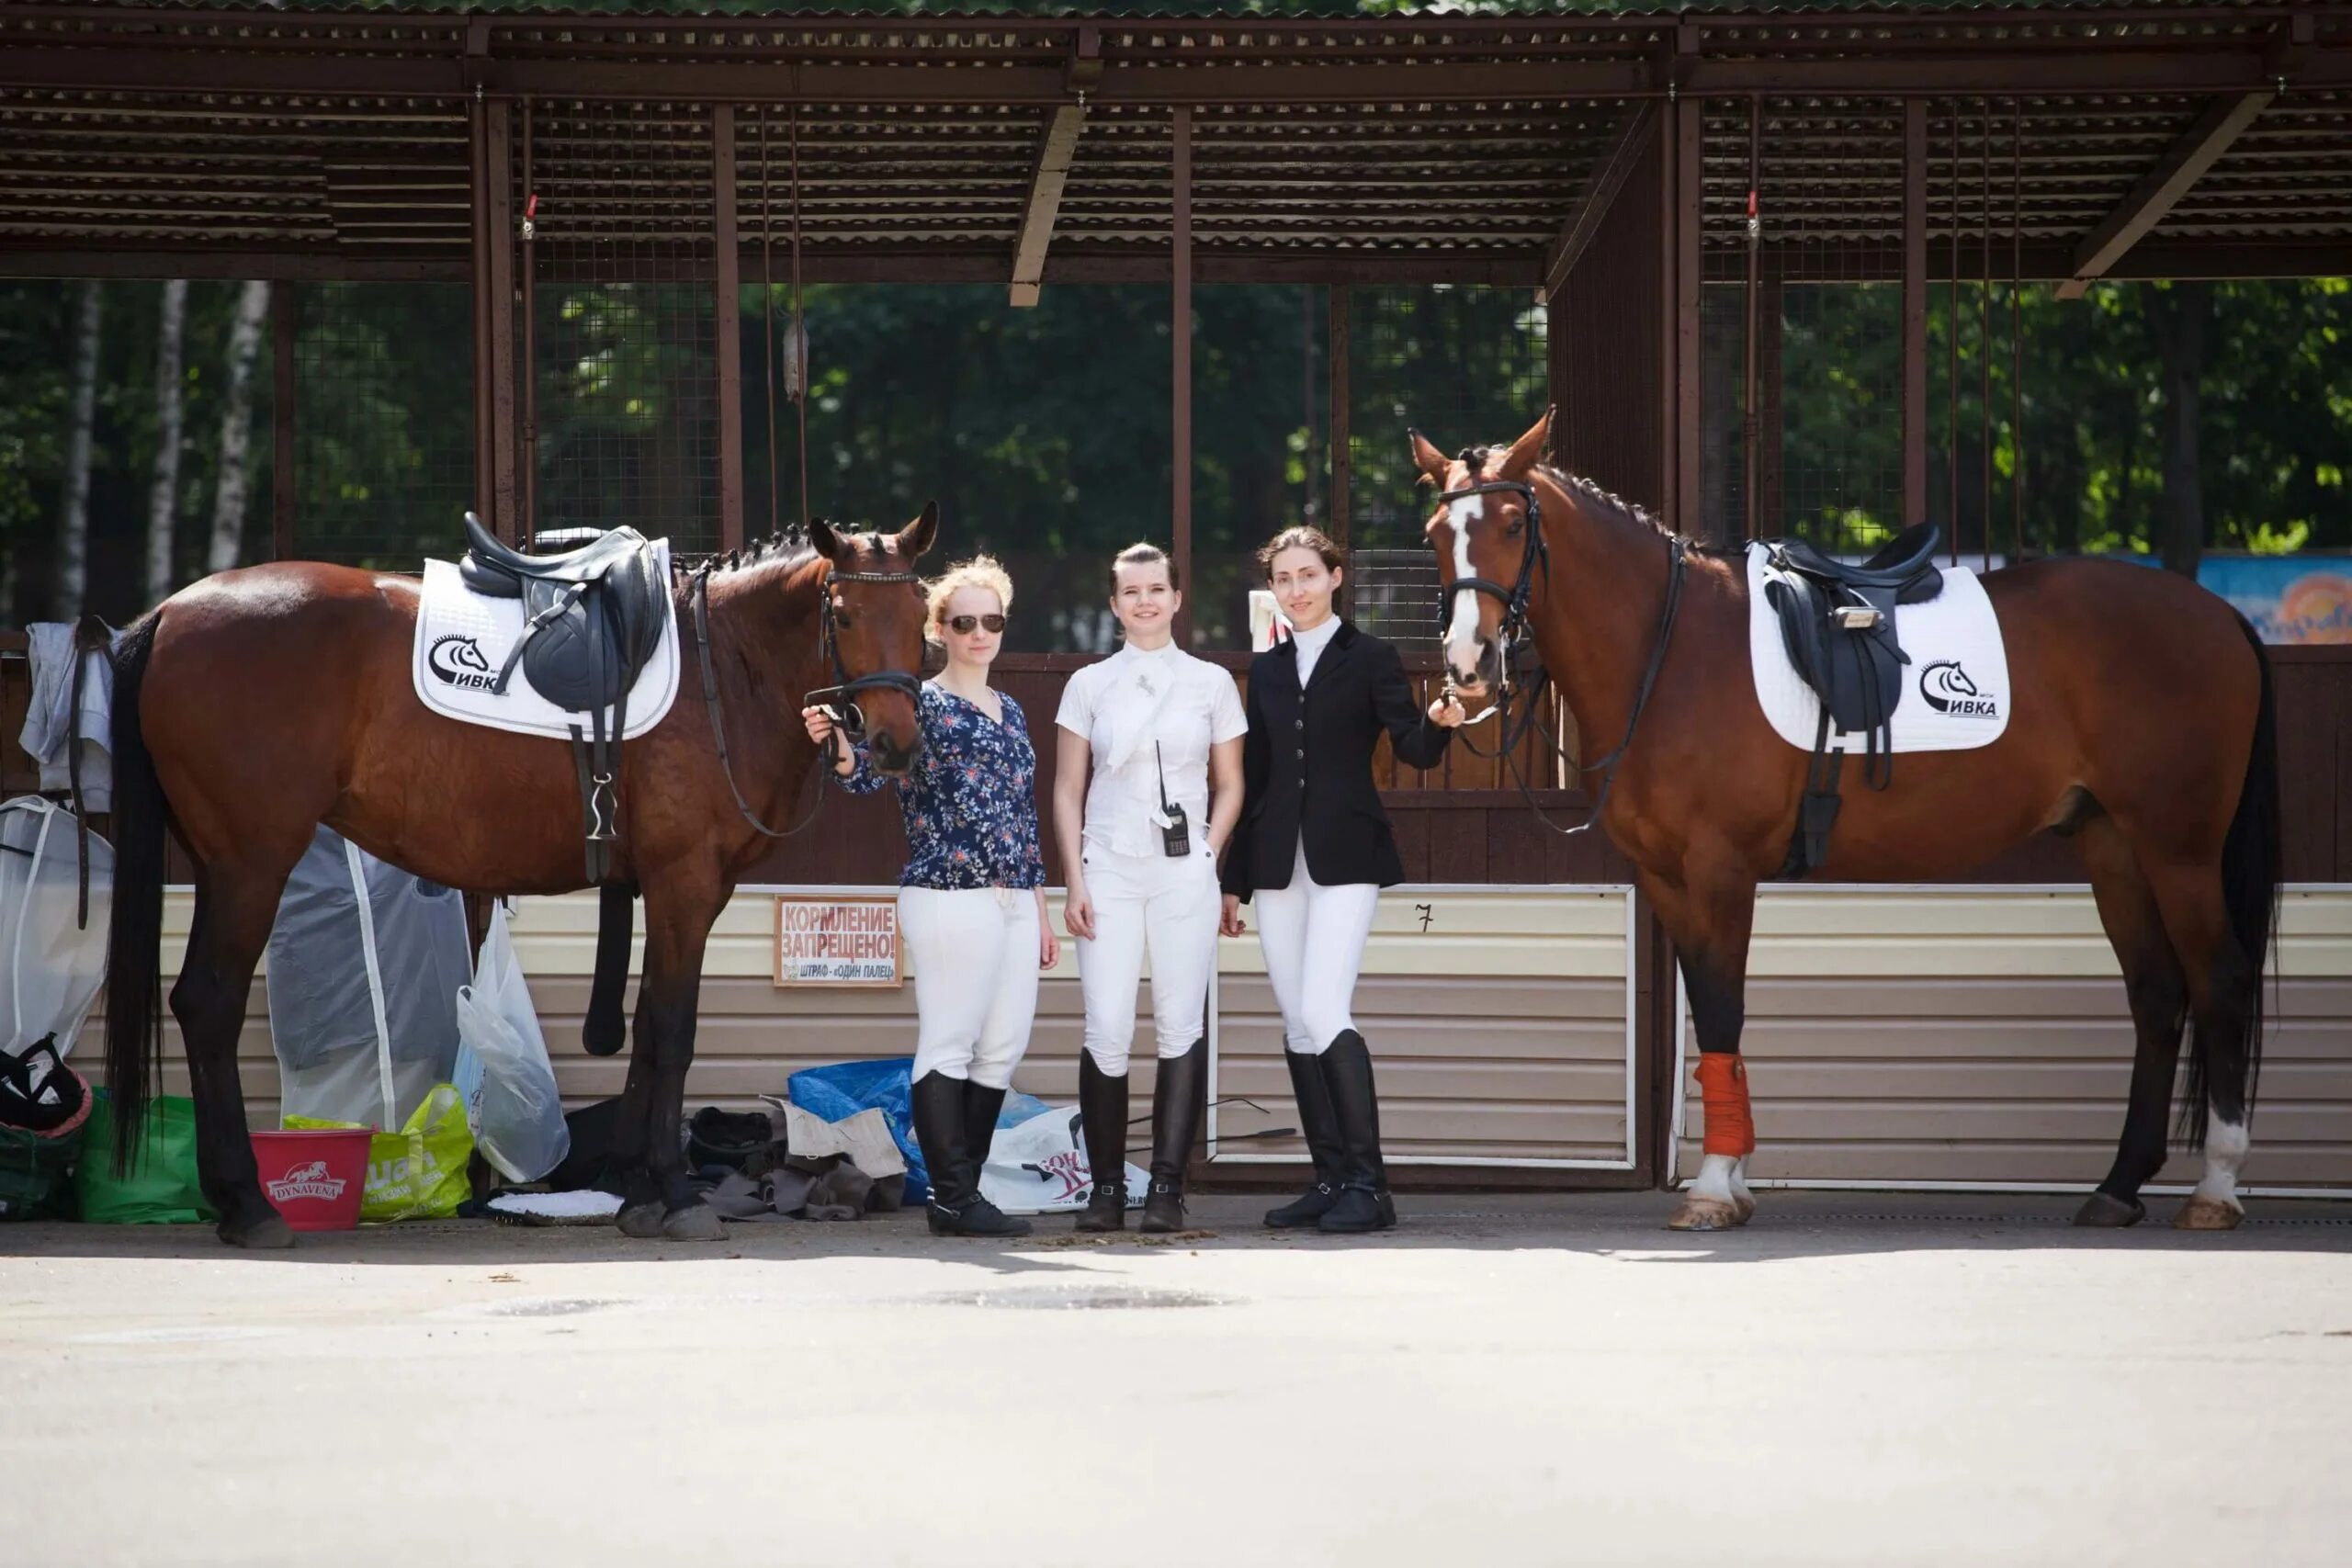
(257, 704)
(2142, 725)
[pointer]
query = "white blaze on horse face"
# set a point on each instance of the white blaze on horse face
(2225, 1149)
(1462, 631)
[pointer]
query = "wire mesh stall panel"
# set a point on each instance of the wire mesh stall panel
(383, 421)
(621, 400)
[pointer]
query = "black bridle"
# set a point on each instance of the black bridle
(1535, 557)
(851, 718)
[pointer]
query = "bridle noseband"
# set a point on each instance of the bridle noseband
(851, 718)
(1535, 558)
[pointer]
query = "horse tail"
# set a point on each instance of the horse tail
(2252, 866)
(134, 936)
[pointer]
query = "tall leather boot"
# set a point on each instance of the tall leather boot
(1102, 1118)
(942, 1107)
(981, 1107)
(1363, 1204)
(1320, 1127)
(1175, 1117)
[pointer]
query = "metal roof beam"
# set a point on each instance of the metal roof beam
(1600, 187)
(2182, 165)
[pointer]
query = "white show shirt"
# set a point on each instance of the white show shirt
(1310, 646)
(1120, 707)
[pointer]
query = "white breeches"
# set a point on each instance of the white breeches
(1313, 938)
(1168, 907)
(975, 952)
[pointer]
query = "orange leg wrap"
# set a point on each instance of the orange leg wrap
(1723, 1089)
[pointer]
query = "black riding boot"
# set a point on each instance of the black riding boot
(941, 1107)
(1102, 1118)
(981, 1107)
(1363, 1204)
(1175, 1117)
(1319, 1126)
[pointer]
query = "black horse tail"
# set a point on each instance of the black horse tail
(2252, 867)
(134, 938)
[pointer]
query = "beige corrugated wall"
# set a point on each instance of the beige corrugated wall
(1980, 1035)
(1500, 1023)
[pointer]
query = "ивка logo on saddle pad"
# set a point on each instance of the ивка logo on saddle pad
(460, 661)
(308, 1181)
(1948, 689)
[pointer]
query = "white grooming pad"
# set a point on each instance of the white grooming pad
(1955, 689)
(462, 639)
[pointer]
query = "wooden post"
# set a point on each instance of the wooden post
(1914, 311)
(730, 304)
(1683, 270)
(1342, 460)
(1181, 332)
(527, 361)
(285, 320)
(501, 237)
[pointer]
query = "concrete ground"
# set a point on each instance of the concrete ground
(1855, 1379)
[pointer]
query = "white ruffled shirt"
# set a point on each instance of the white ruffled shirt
(1120, 707)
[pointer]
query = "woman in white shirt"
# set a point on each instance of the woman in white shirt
(1145, 792)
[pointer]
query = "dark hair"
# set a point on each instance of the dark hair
(1143, 555)
(1302, 537)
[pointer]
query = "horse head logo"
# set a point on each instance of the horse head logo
(313, 1172)
(453, 656)
(1944, 684)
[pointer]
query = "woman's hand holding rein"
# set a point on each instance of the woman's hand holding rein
(827, 734)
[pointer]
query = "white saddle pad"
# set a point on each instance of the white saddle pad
(1955, 689)
(462, 639)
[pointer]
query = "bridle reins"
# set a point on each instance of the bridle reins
(1535, 557)
(846, 686)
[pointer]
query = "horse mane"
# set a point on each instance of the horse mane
(1592, 493)
(788, 547)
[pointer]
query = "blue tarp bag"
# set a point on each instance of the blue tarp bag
(839, 1091)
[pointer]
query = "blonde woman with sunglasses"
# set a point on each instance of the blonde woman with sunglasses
(972, 899)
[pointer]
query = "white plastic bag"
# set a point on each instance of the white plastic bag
(518, 1116)
(50, 967)
(1040, 1167)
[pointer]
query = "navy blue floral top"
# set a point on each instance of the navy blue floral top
(971, 805)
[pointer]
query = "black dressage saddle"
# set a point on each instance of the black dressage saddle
(594, 617)
(1838, 623)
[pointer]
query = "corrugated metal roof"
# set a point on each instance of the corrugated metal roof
(1370, 11)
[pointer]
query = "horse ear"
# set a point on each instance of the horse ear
(1528, 449)
(828, 543)
(920, 535)
(1428, 459)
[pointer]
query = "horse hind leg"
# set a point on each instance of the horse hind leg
(1711, 936)
(2225, 997)
(2158, 994)
(234, 910)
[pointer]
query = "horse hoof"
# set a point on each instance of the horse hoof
(1744, 1205)
(695, 1222)
(269, 1233)
(2207, 1214)
(1705, 1214)
(642, 1221)
(2105, 1211)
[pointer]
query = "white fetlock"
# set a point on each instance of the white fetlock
(1742, 1199)
(1713, 1203)
(2215, 1206)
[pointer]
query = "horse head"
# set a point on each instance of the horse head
(1486, 552)
(873, 613)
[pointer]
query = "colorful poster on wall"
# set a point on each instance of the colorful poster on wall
(828, 940)
(2290, 599)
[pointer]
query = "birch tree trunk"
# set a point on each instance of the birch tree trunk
(74, 525)
(162, 498)
(237, 430)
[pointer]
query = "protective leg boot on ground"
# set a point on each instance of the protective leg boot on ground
(1363, 1204)
(943, 1111)
(1102, 1119)
(1175, 1117)
(1320, 1128)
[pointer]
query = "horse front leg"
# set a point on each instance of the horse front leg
(1709, 919)
(679, 911)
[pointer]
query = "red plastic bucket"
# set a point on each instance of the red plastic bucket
(314, 1178)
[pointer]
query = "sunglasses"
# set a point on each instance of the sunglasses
(963, 625)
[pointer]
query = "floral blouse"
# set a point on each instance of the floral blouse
(971, 806)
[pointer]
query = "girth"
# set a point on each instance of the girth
(1839, 626)
(594, 617)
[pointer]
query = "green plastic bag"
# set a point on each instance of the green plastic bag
(161, 1187)
(419, 1172)
(37, 1174)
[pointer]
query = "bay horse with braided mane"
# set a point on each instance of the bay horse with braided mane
(257, 704)
(2143, 727)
